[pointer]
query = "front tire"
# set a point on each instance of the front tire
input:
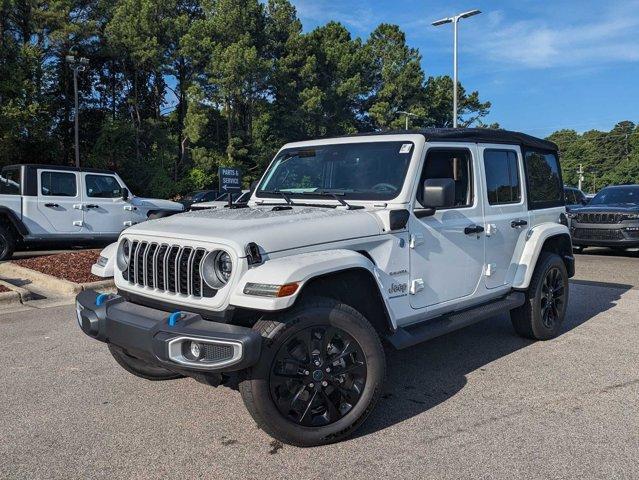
(319, 375)
(541, 316)
(140, 368)
(7, 242)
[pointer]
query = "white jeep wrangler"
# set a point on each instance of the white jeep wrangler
(42, 205)
(345, 243)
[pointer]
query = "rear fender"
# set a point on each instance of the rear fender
(535, 240)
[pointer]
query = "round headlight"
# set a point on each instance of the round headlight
(217, 268)
(124, 251)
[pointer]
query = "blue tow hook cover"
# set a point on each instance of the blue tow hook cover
(174, 317)
(100, 299)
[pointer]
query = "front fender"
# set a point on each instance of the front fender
(298, 268)
(537, 236)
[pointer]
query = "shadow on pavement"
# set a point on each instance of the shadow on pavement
(423, 376)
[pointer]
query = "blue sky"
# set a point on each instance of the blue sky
(544, 65)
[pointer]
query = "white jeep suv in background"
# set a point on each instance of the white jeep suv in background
(345, 243)
(42, 205)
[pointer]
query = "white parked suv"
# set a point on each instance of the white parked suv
(42, 204)
(346, 243)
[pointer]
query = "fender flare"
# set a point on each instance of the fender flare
(535, 240)
(300, 268)
(11, 216)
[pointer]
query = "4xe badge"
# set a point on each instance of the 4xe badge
(397, 289)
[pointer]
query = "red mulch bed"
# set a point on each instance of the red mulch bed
(4, 289)
(74, 266)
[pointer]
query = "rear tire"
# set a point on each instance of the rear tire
(140, 368)
(7, 242)
(319, 375)
(541, 316)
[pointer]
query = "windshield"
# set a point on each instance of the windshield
(617, 196)
(360, 171)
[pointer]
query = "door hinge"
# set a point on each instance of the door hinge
(78, 223)
(490, 269)
(128, 208)
(128, 223)
(416, 286)
(415, 240)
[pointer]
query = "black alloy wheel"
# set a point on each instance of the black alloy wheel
(553, 297)
(318, 376)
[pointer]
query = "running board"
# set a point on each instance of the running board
(411, 335)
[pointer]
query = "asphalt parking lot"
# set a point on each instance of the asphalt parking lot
(478, 403)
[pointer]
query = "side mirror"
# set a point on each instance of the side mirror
(584, 201)
(125, 193)
(439, 193)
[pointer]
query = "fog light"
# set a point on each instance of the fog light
(196, 350)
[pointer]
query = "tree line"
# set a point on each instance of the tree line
(607, 158)
(176, 88)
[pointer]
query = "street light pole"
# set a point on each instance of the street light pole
(77, 65)
(455, 20)
(407, 114)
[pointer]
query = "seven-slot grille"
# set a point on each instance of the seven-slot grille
(167, 267)
(599, 217)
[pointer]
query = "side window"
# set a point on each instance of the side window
(58, 184)
(10, 181)
(544, 180)
(502, 176)
(452, 163)
(102, 186)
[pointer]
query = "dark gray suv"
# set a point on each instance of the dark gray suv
(611, 219)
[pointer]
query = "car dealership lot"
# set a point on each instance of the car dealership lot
(478, 403)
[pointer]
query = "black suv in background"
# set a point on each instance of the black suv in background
(611, 219)
(574, 198)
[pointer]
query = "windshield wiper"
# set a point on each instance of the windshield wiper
(286, 198)
(336, 195)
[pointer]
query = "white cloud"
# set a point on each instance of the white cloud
(358, 15)
(611, 37)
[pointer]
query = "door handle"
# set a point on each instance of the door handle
(473, 229)
(518, 223)
(52, 205)
(91, 205)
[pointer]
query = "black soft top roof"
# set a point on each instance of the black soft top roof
(62, 168)
(476, 135)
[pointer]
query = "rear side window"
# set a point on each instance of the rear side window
(102, 186)
(545, 188)
(10, 181)
(502, 177)
(58, 184)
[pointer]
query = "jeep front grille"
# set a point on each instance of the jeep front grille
(599, 217)
(168, 268)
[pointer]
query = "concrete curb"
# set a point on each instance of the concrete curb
(50, 283)
(16, 295)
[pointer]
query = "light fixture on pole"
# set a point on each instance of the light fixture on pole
(407, 114)
(455, 20)
(77, 64)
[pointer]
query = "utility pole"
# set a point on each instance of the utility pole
(77, 64)
(581, 175)
(407, 114)
(455, 20)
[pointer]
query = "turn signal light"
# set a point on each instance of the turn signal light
(270, 290)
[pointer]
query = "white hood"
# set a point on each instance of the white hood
(272, 230)
(156, 203)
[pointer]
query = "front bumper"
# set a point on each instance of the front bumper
(605, 235)
(150, 335)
